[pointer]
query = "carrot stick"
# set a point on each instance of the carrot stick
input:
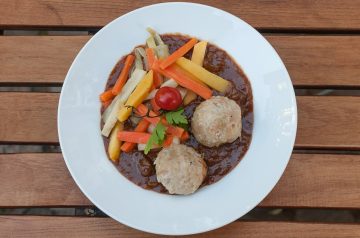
(106, 103)
(175, 131)
(154, 105)
(141, 127)
(168, 140)
(141, 110)
(178, 53)
(176, 73)
(134, 137)
(107, 95)
(123, 75)
(151, 58)
(185, 136)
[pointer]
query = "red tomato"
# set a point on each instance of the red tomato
(168, 98)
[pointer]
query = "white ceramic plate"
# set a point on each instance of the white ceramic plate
(275, 117)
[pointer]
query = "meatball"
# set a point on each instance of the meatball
(180, 169)
(217, 121)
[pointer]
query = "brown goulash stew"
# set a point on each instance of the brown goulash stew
(139, 168)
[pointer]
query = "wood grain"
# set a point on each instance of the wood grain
(297, 14)
(28, 117)
(312, 61)
(310, 180)
(48, 62)
(320, 61)
(328, 122)
(32, 226)
(323, 122)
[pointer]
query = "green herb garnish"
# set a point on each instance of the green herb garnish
(156, 138)
(176, 118)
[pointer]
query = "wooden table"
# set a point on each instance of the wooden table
(319, 42)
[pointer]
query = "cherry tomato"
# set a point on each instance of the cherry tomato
(168, 98)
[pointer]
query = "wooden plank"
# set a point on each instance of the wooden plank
(321, 14)
(310, 180)
(48, 62)
(33, 226)
(28, 117)
(316, 180)
(328, 122)
(312, 61)
(320, 61)
(323, 121)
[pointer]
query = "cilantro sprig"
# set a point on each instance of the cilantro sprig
(156, 138)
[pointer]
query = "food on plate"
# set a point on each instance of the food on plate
(177, 114)
(180, 169)
(216, 121)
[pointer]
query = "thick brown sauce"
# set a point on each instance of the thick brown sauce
(139, 168)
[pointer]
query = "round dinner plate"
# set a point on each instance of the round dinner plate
(275, 121)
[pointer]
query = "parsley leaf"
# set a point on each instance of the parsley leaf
(156, 138)
(176, 117)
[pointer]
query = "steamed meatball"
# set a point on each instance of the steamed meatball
(217, 121)
(180, 169)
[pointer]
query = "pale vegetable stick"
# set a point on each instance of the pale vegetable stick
(189, 97)
(111, 120)
(169, 83)
(151, 128)
(150, 42)
(182, 91)
(212, 80)
(162, 51)
(176, 140)
(138, 60)
(136, 97)
(110, 114)
(114, 143)
(199, 53)
(141, 147)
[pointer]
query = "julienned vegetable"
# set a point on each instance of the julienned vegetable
(115, 143)
(123, 75)
(134, 137)
(213, 80)
(111, 113)
(141, 127)
(150, 59)
(136, 97)
(198, 54)
(176, 73)
(178, 53)
(107, 95)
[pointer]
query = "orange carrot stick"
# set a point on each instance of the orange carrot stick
(134, 137)
(154, 105)
(185, 136)
(176, 73)
(106, 103)
(175, 131)
(141, 127)
(123, 75)
(168, 140)
(141, 110)
(107, 95)
(178, 53)
(151, 58)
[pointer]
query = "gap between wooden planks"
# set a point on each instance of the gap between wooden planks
(326, 122)
(297, 14)
(312, 61)
(32, 226)
(310, 180)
